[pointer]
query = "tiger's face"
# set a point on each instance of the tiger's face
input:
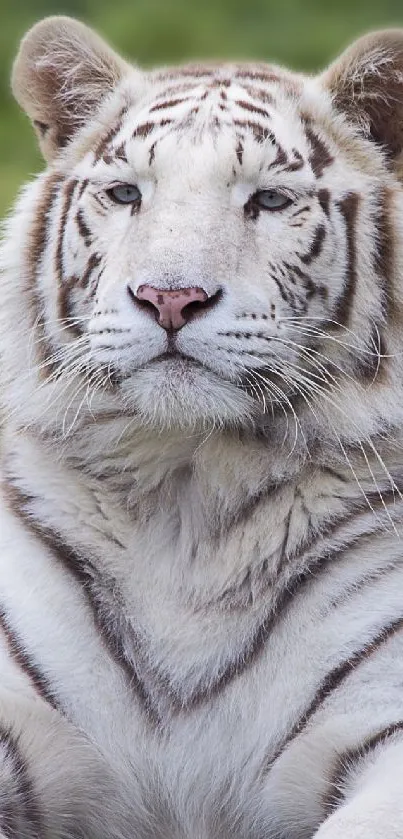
(215, 242)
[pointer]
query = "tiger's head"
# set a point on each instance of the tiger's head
(210, 245)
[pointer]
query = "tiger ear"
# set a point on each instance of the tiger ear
(366, 85)
(61, 74)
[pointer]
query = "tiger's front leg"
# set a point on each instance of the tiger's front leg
(370, 790)
(53, 782)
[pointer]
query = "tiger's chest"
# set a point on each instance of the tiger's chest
(191, 684)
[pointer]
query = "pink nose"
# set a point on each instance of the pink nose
(173, 307)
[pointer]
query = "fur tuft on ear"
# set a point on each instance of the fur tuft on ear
(61, 74)
(366, 85)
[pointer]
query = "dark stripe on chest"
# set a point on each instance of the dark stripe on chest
(335, 679)
(20, 814)
(125, 643)
(348, 761)
(25, 661)
(86, 575)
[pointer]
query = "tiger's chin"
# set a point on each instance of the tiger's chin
(180, 394)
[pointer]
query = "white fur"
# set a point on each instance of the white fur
(180, 484)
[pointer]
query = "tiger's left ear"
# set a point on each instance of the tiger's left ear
(366, 85)
(61, 75)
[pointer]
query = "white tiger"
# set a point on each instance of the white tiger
(201, 565)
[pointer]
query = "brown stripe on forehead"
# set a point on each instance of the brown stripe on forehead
(144, 130)
(183, 87)
(250, 106)
(259, 75)
(348, 208)
(147, 128)
(296, 164)
(193, 71)
(170, 103)
(110, 135)
(260, 132)
(120, 153)
(280, 159)
(259, 93)
(320, 157)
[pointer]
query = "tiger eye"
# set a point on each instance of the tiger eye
(270, 199)
(125, 194)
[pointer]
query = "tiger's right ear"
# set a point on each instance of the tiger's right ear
(61, 74)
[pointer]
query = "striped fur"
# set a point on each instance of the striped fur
(201, 611)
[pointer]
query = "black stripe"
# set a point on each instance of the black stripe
(37, 242)
(25, 661)
(347, 763)
(267, 76)
(83, 187)
(324, 200)
(348, 208)
(170, 103)
(146, 128)
(384, 246)
(281, 158)
(239, 151)
(259, 93)
(86, 575)
(106, 140)
(114, 628)
(294, 586)
(250, 106)
(63, 308)
(93, 263)
(68, 198)
(320, 157)
(260, 132)
(83, 228)
(21, 816)
(316, 246)
(335, 679)
(120, 153)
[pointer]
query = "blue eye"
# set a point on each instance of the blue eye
(270, 199)
(125, 194)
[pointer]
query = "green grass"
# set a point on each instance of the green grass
(303, 34)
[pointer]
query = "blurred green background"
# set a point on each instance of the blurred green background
(303, 34)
